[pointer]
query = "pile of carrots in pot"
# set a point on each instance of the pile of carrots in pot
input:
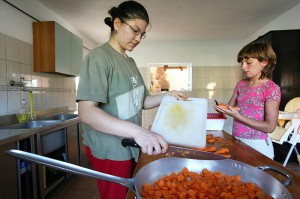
(206, 184)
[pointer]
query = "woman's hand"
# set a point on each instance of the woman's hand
(179, 95)
(151, 143)
(152, 101)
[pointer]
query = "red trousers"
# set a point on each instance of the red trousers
(110, 190)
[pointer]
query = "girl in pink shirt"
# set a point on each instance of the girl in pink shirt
(257, 96)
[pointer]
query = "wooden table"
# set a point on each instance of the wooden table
(240, 152)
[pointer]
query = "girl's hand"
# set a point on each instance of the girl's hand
(179, 95)
(228, 110)
(225, 106)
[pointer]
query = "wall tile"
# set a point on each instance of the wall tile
(201, 71)
(220, 82)
(194, 71)
(232, 71)
(202, 94)
(239, 73)
(66, 99)
(201, 83)
(229, 82)
(60, 99)
(220, 71)
(3, 80)
(144, 71)
(13, 105)
(37, 100)
(210, 83)
(36, 79)
(47, 100)
(25, 71)
(12, 49)
(3, 100)
(26, 54)
(2, 46)
(195, 84)
(193, 94)
(69, 82)
(72, 102)
(60, 82)
(53, 81)
(53, 99)
(209, 72)
(45, 80)
(12, 71)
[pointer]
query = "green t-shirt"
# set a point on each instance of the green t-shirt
(115, 82)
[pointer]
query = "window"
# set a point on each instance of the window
(170, 76)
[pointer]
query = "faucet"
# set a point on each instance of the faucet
(22, 82)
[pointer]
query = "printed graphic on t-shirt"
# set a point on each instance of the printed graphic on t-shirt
(135, 94)
(130, 103)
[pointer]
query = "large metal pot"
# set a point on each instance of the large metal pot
(156, 169)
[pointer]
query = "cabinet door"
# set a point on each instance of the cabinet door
(56, 50)
(76, 54)
(62, 50)
(73, 148)
(286, 44)
(8, 174)
(84, 161)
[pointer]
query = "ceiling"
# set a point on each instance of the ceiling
(177, 19)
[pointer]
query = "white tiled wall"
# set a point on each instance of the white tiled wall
(210, 82)
(49, 90)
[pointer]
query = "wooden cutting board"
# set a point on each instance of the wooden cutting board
(182, 123)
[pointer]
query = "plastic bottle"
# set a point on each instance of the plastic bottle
(23, 116)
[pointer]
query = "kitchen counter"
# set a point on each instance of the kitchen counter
(12, 135)
(55, 133)
(240, 152)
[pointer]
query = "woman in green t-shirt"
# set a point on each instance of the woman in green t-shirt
(111, 95)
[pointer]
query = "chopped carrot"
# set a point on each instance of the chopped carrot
(211, 149)
(222, 150)
(206, 184)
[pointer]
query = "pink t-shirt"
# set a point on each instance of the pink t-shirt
(251, 101)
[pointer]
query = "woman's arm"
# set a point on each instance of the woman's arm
(152, 101)
(99, 120)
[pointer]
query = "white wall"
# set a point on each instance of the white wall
(199, 53)
(14, 23)
(209, 53)
(286, 21)
(18, 25)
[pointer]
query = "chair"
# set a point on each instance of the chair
(291, 131)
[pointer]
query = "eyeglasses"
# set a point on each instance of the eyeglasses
(136, 32)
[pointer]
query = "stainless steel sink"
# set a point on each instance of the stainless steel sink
(31, 124)
(63, 116)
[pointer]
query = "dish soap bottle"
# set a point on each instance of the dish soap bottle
(23, 116)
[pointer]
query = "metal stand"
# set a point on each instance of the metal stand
(293, 140)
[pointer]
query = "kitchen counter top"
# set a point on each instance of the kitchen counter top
(240, 152)
(13, 135)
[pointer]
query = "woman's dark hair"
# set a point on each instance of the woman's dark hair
(126, 11)
(261, 52)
